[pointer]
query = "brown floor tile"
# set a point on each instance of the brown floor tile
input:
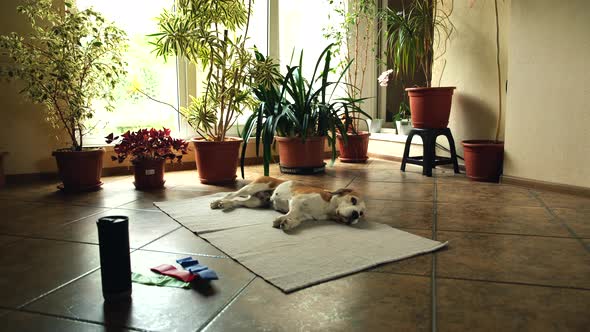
(146, 202)
(152, 307)
(557, 200)
(420, 265)
(37, 219)
(484, 306)
(31, 267)
(361, 302)
(144, 227)
(492, 218)
(394, 191)
(19, 321)
(485, 193)
(395, 175)
(7, 239)
(512, 258)
(184, 241)
(400, 214)
(578, 220)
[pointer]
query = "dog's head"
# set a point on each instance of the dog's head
(350, 206)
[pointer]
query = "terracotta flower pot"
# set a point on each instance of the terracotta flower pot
(217, 162)
(483, 160)
(149, 174)
(355, 151)
(430, 107)
(296, 153)
(79, 170)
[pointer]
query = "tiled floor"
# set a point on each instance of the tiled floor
(518, 260)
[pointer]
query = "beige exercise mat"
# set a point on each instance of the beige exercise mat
(310, 254)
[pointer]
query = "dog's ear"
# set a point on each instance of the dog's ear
(341, 191)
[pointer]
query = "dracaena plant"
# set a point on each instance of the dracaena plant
(147, 144)
(292, 106)
(66, 61)
(211, 34)
(413, 34)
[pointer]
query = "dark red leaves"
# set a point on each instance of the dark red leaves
(148, 144)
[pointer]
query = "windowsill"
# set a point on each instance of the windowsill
(389, 137)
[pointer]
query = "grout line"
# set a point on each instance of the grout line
(433, 270)
(22, 237)
(161, 236)
(560, 221)
(80, 320)
(501, 233)
(516, 283)
(58, 288)
(224, 308)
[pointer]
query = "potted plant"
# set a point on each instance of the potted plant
(410, 39)
(149, 149)
(69, 58)
(484, 158)
(299, 115)
(351, 34)
(402, 119)
(211, 34)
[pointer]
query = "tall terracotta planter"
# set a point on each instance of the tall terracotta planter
(79, 170)
(217, 162)
(149, 174)
(305, 155)
(483, 160)
(355, 151)
(430, 107)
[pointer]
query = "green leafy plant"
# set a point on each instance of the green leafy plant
(354, 23)
(411, 35)
(297, 107)
(211, 34)
(69, 59)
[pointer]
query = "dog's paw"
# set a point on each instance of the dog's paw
(218, 204)
(285, 223)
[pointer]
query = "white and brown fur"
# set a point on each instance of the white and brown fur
(298, 202)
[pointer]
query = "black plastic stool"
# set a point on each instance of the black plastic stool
(429, 159)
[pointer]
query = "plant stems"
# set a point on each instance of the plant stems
(498, 123)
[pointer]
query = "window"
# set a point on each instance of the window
(301, 27)
(146, 72)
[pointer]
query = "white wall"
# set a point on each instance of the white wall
(548, 118)
(469, 64)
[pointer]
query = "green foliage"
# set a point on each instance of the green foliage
(208, 33)
(297, 107)
(351, 31)
(70, 58)
(411, 34)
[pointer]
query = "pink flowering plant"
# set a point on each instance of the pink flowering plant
(147, 144)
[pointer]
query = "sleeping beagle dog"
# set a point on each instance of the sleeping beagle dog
(297, 201)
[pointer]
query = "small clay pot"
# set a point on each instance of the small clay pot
(149, 174)
(79, 170)
(294, 152)
(430, 107)
(483, 159)
(355, 149)
(217, 162)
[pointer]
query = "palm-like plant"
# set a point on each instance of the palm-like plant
(296, 107)
(411, 35)
(211, 34)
